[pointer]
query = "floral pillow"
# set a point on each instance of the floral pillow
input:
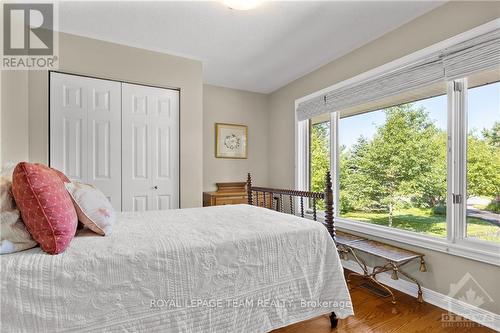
(93, 209)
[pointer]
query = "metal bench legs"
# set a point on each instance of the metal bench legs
(420, 299)
(390, 266)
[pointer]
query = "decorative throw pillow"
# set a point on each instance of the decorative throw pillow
(61, 175)
(93, 209)
(45, 205)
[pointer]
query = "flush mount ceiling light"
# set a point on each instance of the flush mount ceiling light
(242, 4)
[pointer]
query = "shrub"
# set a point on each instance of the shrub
(493, 206)
(439, 209)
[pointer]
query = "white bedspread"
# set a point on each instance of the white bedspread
(217, 269)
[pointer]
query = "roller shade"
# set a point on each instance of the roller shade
(409, 77)
(479, 53)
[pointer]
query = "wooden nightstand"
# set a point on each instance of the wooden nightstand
(226, 194)
(231, 194)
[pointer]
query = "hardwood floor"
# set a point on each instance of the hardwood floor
(376, 314)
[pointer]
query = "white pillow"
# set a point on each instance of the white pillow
(7, 170)
(13, 234)
(92, 208)
(7, 202)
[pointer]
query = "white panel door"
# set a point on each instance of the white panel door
(104, 138)
(68, 125)
(150, 156)
(85, 131)
(164, 118)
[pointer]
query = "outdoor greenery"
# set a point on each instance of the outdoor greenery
(398, 177)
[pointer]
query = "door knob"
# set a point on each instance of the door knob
(155, 187)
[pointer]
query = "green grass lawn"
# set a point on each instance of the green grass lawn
(423, 221)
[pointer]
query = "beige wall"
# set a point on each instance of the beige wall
(224, 105)
(14, 134)
(437, 25)
(25, 100)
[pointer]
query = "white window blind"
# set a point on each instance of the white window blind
(476, 54)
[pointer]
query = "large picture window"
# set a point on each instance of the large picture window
(393, 166)
(411, 162)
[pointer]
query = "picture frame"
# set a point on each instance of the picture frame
(231, 141)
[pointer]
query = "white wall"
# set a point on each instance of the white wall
(25, 100)
(224, 105)
(437, 25)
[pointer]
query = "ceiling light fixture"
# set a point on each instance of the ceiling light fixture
(242, 4)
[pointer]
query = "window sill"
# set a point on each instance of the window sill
(488, 253)
(470, 249)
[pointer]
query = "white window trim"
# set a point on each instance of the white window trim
(456, 242)
(480, 252)
(302, 155)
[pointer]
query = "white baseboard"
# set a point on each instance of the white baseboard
(445, 302)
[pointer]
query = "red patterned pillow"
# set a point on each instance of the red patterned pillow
(45, 205)
(61, 175)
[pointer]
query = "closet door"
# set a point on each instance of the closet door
(68, 125)
(150, 157)
(104, 138)
(85, 131)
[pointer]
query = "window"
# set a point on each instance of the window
(319, 153)
(483, 163)
(393, 166)
(420, 166)
(405, 168)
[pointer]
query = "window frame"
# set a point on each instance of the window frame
(456, 243)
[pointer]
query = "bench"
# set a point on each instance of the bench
(393, 256)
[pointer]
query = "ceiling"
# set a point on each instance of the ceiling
(258, 50)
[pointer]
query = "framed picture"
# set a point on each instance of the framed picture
(230, 141)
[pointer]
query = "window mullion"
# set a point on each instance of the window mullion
(302, 167)
(334, 161)
(453, 217)
(462, 89)
(457, 143)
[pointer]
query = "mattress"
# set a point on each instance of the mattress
(233, 268)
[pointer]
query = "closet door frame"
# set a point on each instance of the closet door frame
(50, 72)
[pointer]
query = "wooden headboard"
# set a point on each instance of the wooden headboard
(274, 199)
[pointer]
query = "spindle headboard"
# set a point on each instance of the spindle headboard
(275, 200)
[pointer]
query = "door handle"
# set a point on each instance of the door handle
(155, 187)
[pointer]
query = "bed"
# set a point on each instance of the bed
(236, 268)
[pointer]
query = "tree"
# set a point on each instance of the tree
(492, 136)
(403, 164)
(483, 165)
(320, 157)
(356, 187)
